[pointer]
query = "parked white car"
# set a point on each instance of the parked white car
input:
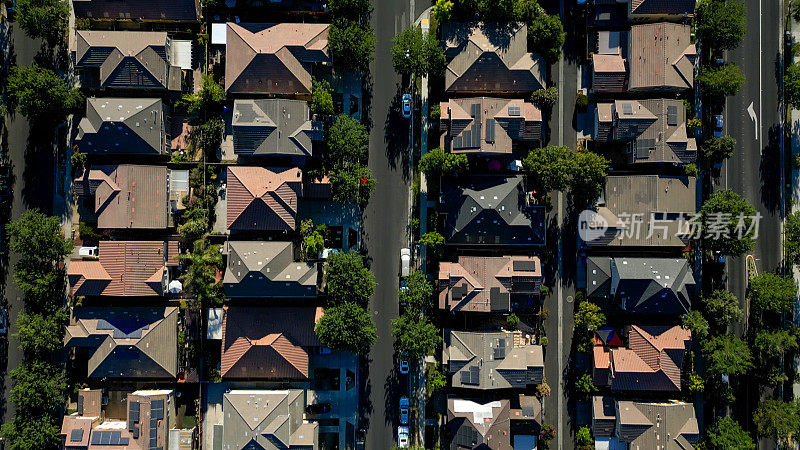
(88, 252)
(405, 262)
(404, 404)
(402, 436)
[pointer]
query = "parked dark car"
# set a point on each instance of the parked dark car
(318, 408)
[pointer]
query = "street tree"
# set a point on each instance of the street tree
(695, 321)
(727, 355)
(347, 327)
(771, 346)
(31, 433)
(727, 434)
(437, 162)
(718, 149)
(584, 385)
(351, 45)
(791, 84)
(352, 184)
(434, 56)
(551, 167)
(40, 94)
(350, 9)
(321, 97)
(772, 293)
(44, 19)
(728, 223)
(588, 178)
(348, 280)
(416, 296)
(720, 24)
(777, 419)
(415, 337)
(545, 99)
(408, 52)
(587, 319)
(547, 36)
(720, 81)
(39, 335)
(722, 308)
(792, 244)
(38, 387)
(348, 142)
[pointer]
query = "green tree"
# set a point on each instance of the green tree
(727, 434)
(771, 292)
(208, 136)
(588, 178)
(351, 45)
(436, 62)
(587, 318)
(348, 327)
(584, 385)
(776, 419)
(417, 295)
(44, 19)
(718, 149)
(348, 142)
(791, 84)
(313, 239)
(41, 334)
(437, 162)
(696, 323)
(38, 388)
(583, 438)
(321, 97)
(408, 52)
(207, 101)
(722, 308)
(512, 320)
(721, 24)
(719, 81)
(771, 346)
(40, 94)
(352, 184)
(547, 433)
(200, 277)
(727, 355)
(726, 216)
(792, 245)
(443, 10)
(415, 337)
(40, 284)
(434, 379)
(348, 280)
(545, 98)
(432, 239)
(31, 433)
(350, 9)
(546, 34)
(551, 167)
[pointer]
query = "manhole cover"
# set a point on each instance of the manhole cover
(570, 299)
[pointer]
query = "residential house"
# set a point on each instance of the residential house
(658, 9)
(652, 361)
(127, 60)
(261, 199)
(489, 57)
(139, 10)
(123, 126)
(488, 126)
(646, 211)
(149, 422)
(662, 286)
(609, 73)
(125, 269)
(127, 196)
(275, 58)
(268, 420)
(653, 131)
(526, 421)
(490, 210)
(495, 360)
(475, 426)
(629, 424)
(661, 57)
(126, 342)
(268, 343)
(488, 284)
(268, 269)
(274, 127)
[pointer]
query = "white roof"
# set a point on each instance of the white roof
(219, 33)
(181, 54)
(214, 330)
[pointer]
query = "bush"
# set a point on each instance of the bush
(690, 170)
(432, 239)
(348, 280)
(545, 98)
(547, 432)
(512, 320)
(321, 97)
(78, 161)
(583, 437)
(720, 81)
(437, 162)
(435, 112)
(584, 385)
(581, 101)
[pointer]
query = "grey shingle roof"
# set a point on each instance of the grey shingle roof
(488, 125)
(267, 419)
(674, 7)
(267, 269)
(122, 126)
(279, 127)
(671, 425)
(489, 210)
(643, 285)
(160, 10)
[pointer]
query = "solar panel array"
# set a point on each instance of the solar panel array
(500, 350)
(490, 130)
(133, 414)
(103, 437)
(471, 137)
(156, 414)
(672, 115)
(76, 435)
(524, 266)
(514, 111)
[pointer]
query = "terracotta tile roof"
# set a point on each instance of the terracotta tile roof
(263, 199)
(661, 57)
(268, 343)
(608, 63)
(273, 58)
(127, 196)
(124, 268)
(76, 430)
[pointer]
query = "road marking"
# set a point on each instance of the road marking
(760, 70)
(754, 119)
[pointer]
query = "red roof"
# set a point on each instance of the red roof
(263, 199)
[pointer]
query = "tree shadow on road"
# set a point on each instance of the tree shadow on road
(364, 392)
(396, 134)
(391, 397)
(770, 169)
(37, 191)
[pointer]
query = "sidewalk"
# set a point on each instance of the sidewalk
(794, 129)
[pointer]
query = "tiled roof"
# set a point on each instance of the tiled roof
(263, 199)
(76, 430)
(661, 57)
(267, 419)
(483, 284)
(128, 59)
(276, 127)
(487, 57)
(488, 125)
(124, 268)
(130, 342)
(268, 269)
(158, 10)
(268, 343)
(608, 63)
(273, 58)
(122, 126)
(669, 425)
(127, 196)
(474, 425)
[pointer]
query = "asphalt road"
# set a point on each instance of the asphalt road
(386, 218)
(32, 188)
(754, 170)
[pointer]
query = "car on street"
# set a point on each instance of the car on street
(3, 322)
(404, 404)
(406, 106)
(402, 436)
(318, 408)
(718, 125)
(405, 262)
(404, 366)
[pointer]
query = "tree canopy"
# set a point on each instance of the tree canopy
(313, 238)
(41, 334)
(559, 168)
(696, 323)
(39, 387)
(771, 292)
(200, 278)
(721, 24)
(722, 308)
(351, 45)
(727, 434)
(719, 81)
(547, 36)
(31, 433)
(348, 142)
(352, 184)
(40, 94)
(727, 355)
(718, 149)
(348, 280)
(792, 245)
(208, 101)
(350, 9)
(347, 327)
(587, 318)
(416, 297)
(791, 84)
(728, 223)
(415, 337)
(321, 97)
(777, 419)
(44, 19)
(437, 162)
